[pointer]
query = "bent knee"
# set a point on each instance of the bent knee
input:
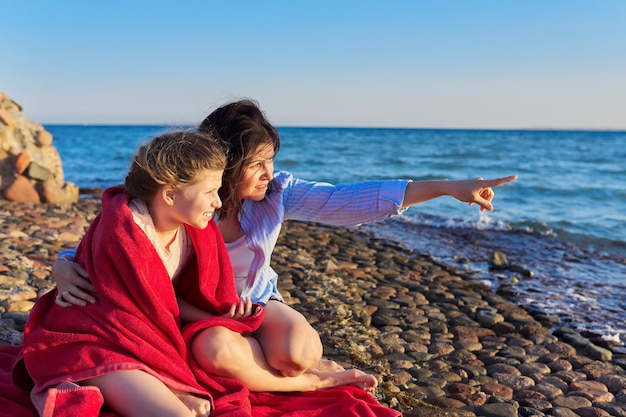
(304, 350)
(213, 347)
(308, 344)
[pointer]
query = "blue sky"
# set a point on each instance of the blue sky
(439, 63)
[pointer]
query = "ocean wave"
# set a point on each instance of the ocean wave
(561, 231)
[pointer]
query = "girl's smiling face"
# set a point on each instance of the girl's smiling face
(256, 175)
(195, 204)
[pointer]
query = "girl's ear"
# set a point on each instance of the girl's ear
(168, 194)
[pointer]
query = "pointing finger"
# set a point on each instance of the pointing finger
(499, 181)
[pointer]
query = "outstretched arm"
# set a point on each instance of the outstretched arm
(472, 191)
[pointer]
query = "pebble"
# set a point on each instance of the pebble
(440, 343)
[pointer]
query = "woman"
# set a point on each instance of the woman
(255, 202)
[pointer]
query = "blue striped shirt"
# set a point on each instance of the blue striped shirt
(291, 198)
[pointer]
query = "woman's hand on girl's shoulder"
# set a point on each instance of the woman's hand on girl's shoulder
(72, 282)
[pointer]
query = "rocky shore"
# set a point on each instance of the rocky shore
(441, 343)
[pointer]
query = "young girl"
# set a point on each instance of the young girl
(126, 347)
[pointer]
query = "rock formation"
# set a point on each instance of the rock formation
(30, 166)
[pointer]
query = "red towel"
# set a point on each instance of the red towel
(135, 324)
(14, 402)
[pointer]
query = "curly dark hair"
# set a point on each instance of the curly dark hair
(243, 127)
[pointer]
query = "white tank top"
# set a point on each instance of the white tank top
(241, 258)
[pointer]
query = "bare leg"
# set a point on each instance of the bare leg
(223, 352)
(136, 393)
(299, 346)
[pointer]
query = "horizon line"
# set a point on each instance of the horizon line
(191, 125)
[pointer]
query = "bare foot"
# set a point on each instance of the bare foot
(354, 377)
(362, 380)
(326, 365)
(200, 407)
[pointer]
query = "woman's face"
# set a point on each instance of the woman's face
(257, 174)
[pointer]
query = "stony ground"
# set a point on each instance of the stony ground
(441, 344)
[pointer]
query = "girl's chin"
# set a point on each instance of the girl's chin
(202, 222)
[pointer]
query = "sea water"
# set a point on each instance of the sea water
(562, 224)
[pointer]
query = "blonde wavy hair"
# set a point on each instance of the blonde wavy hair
(173, 158)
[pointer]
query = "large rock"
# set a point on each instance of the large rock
(29, 164)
